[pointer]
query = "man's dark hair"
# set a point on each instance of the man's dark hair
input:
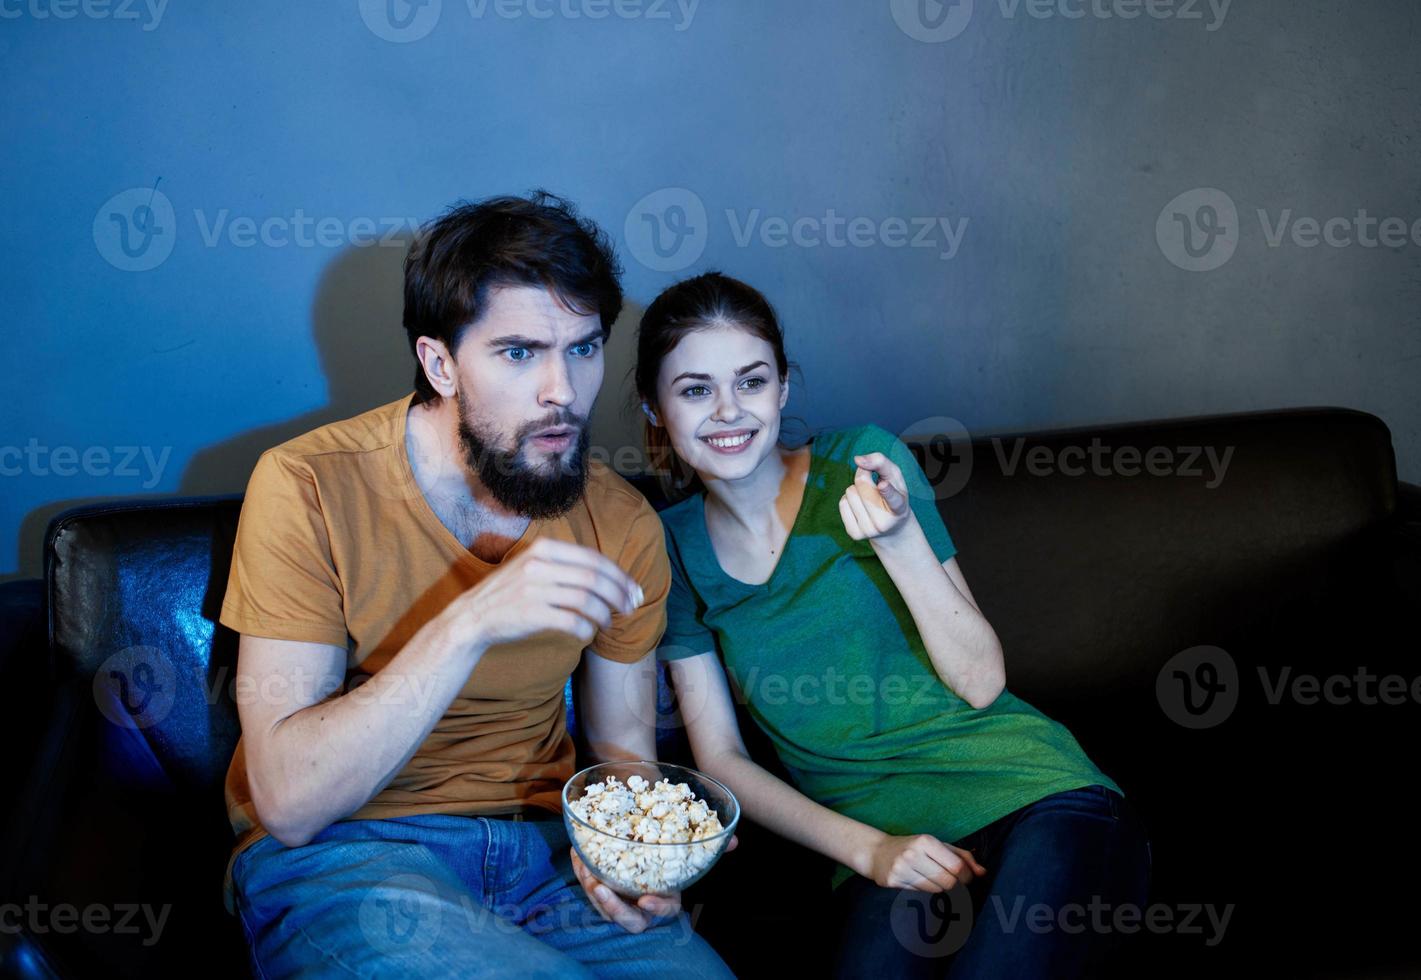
(539, 240)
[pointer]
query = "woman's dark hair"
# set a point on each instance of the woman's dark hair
(539, 240)
(708, 300)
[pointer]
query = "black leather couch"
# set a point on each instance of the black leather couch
(1306, 556)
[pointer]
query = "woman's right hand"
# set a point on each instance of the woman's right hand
(921, 862)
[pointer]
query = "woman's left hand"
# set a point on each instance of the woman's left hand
(876, 510)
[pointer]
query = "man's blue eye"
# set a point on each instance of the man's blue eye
(513, 350)
(588, 347)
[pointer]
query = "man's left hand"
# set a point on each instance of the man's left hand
(614, 908)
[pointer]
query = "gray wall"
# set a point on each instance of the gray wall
(1058, 147)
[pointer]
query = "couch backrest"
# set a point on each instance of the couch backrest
(1094, 570)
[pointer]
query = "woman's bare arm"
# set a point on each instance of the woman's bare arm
(708, 711)
(962, 645)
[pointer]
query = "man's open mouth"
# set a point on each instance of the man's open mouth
(557, 437)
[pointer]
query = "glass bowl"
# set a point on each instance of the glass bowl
(634, 867)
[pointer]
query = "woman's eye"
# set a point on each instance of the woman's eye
(753, 383)
(692, 391)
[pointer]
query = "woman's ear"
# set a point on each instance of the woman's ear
(651, 416)
(784, 391)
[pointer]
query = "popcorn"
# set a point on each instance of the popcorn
(642, 817)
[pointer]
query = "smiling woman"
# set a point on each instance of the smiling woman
(822, 583)
(685, 313)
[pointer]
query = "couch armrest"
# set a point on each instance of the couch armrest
(24, 667)
(22, 629)
(1402, 543)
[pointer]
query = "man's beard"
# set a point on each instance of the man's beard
(517, 486)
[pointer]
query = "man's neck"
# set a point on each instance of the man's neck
(455, 493)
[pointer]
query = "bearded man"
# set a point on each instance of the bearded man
(413, 588)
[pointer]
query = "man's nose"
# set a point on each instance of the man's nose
(557, 384)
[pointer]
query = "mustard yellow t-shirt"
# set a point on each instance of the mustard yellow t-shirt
(337, 544)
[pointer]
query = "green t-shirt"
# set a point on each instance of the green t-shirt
(827, 659)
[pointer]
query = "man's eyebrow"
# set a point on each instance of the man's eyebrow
(706, 377)
(517, 340)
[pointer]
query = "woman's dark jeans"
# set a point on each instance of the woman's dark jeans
(1058, 871)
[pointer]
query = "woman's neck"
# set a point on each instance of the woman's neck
(753, 501)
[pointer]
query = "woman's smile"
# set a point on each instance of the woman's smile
(731, 442)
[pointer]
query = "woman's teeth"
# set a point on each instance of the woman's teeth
(731, 442)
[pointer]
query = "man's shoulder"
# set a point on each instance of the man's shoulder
(371, 430)
(610, 500)
(613, 516)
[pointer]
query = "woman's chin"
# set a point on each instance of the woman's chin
(714, 465)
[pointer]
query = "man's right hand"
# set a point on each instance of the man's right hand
(553, 585)
(921, 862)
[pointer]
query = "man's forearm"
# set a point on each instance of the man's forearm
(963, 646)
(327, 760)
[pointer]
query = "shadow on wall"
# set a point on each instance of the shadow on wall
(357, 326)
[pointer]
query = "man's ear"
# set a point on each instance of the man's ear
(651, 416)
(438, 365)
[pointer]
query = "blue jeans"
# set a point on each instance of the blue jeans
(442, 895)
(1058, 872)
